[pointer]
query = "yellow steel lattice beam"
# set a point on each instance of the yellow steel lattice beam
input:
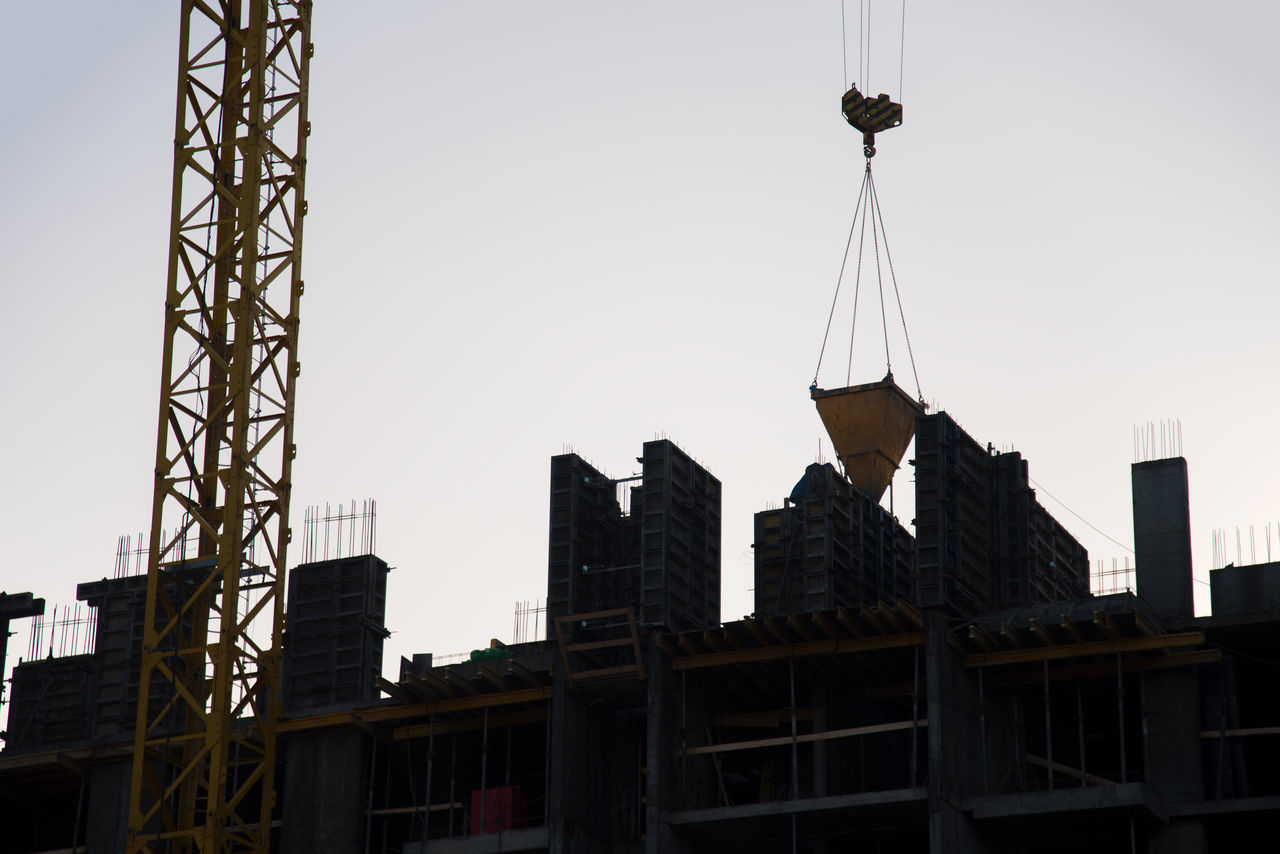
(208, 699)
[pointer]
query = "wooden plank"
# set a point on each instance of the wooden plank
(890, 615)
(491, 676)
(391, 689)
(805, 649)
(1080, 650)
(806, 738)
(797, 625)
(823, 622)
(1071, 629)
(1108, 668)
(456, 805)
(847, 620)
(982, 638)
(394, 712)
(1257, 730)
(1038, 629)
(912, 612)
(1059, 768)
(621, 670)
(520, 672)
(600, 644)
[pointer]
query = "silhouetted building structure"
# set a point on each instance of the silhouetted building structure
(958, 693)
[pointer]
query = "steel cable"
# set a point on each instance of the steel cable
(839, 279)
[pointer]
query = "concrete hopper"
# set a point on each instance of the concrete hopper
(870, 426)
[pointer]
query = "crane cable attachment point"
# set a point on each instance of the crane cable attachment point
(870, 115)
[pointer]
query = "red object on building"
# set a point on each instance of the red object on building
(505, 808)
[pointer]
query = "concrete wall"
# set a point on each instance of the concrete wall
(1245, 589)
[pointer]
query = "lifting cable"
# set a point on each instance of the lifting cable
(870, 116)
(868, 208)
(839, 279)
(902, 316)
(857, 283)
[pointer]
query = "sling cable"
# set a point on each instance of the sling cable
(870, 424)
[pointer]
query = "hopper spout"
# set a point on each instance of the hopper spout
(870, 426)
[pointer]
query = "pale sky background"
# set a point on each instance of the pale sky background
(540, 225)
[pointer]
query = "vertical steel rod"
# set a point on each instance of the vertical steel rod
(75, 834)
(484, 757)
(546, 772)
(1124, 759)
(368, 810)
(982, 723)
(453, 777)
(1084, 769)
(426, 798)
(684, 740)
(1048, 725)
(795, 755)
(1222, 729)
(386, 802)
(1017, 742)
(507, 777)
(1142, 714)
(915, 718)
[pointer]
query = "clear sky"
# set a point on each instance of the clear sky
(542, 225)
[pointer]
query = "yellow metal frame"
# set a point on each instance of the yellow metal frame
(208, 699)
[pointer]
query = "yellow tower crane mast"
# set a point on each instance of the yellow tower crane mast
(209, 687)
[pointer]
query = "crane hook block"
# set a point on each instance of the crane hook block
(870, 115)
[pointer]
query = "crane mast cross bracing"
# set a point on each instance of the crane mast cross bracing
(209, 685)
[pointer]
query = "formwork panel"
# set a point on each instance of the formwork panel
(982, 539)
(830, 546)
(334, 631)
(50, 703)
(679, 540)
(588, 535)
(121, 614)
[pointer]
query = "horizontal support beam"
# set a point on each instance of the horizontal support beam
(600, 644)
(456, 805)
(503, 719)
(805, 649)
(1059, 768)
(606, 672)
(386, 713)
(1132, 664)
(1081, 650)
(806, 738)
(1231, 733)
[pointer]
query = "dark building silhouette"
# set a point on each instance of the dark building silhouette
(955, 691)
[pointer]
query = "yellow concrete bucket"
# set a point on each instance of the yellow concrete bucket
(870, 426)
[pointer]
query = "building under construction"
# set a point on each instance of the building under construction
(945, 685)
(955, 690)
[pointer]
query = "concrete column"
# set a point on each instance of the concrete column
(106, 823)
(665, 785)
(1162, 535)
(325, 792)
(1173, 760)
(955, 737)
(1180, 837)
(578, 792)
